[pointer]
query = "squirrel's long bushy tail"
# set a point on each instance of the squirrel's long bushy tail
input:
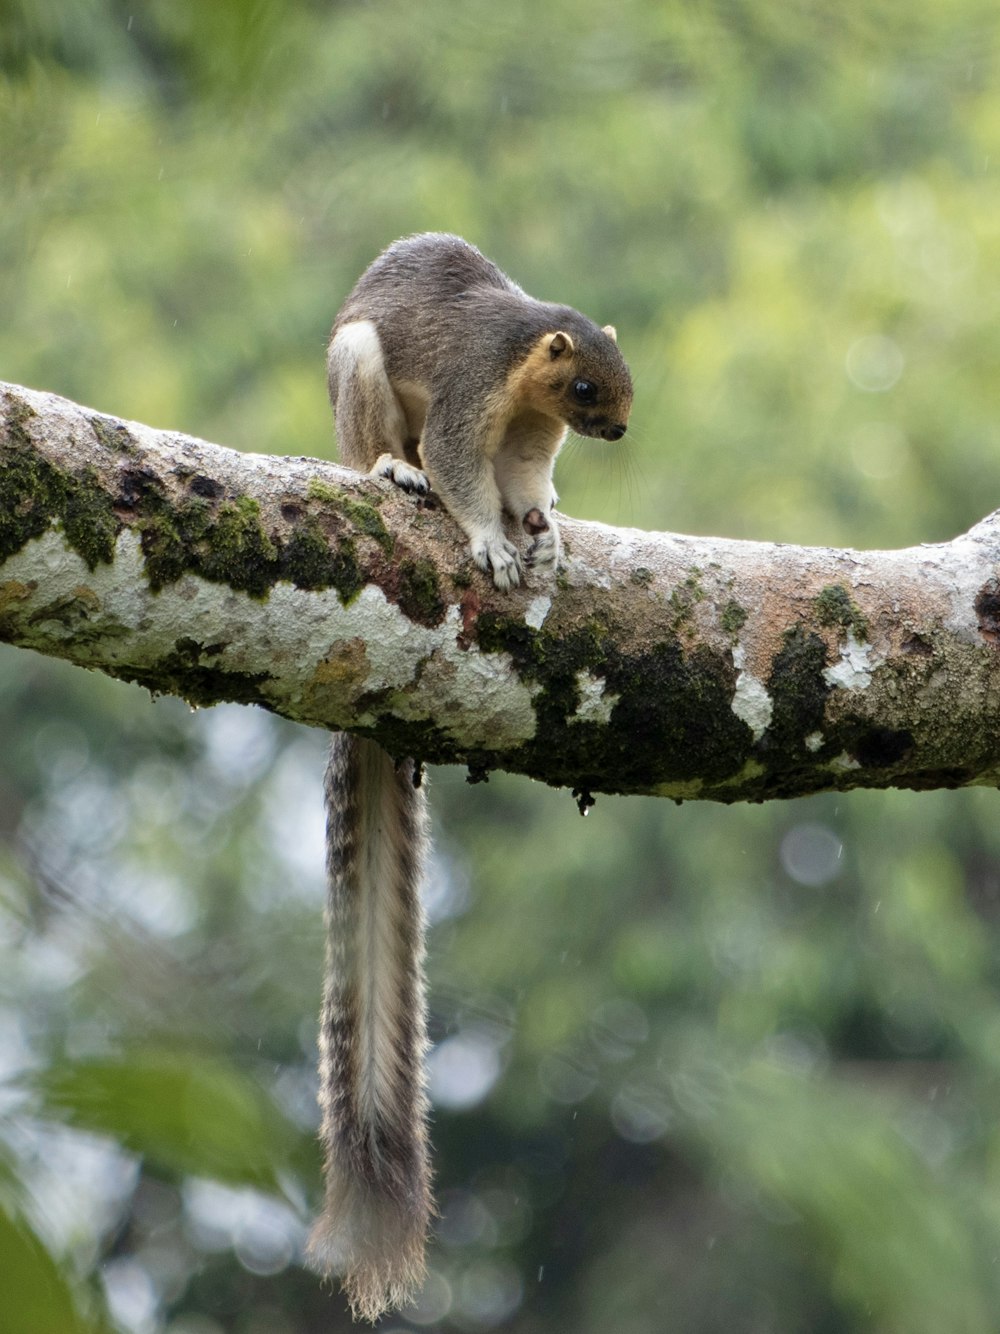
(373, 1031)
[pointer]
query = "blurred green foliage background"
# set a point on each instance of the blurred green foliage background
(696, 1069)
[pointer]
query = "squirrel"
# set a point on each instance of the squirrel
(443, 374)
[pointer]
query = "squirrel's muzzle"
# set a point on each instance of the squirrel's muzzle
(614, 432)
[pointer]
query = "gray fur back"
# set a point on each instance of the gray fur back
(442, 308)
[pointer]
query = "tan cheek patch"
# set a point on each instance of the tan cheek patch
(533, 383)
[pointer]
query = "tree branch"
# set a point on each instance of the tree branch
(680, 666)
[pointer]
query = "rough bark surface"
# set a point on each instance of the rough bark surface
(680, 666)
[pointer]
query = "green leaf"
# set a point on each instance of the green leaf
(183, 1112)
(37, 1298)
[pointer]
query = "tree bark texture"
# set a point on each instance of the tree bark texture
(679, 666)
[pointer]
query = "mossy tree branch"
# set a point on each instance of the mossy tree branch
(686, 667)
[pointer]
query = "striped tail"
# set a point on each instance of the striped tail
(373, 1032)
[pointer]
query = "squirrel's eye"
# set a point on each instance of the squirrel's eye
(585, 391)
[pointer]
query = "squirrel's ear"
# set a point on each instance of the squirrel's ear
(559, 344)
(611, 331)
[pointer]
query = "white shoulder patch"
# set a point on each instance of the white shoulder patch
(357, 344)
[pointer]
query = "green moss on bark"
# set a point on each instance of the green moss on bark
(114, 435)
(733, 617)
(363, 514)
(798, 692)
(88, 518)
(169, 534)
(237, 551)
(419, 591)
(34, 494)
(664, 702)
(226, 542)
(200, 684)
(835, 607)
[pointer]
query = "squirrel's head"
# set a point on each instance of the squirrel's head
(587, 383)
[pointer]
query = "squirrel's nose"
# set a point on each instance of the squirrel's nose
(614, 432)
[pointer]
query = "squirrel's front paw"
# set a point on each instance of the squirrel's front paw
(402, 473)
(543, 554)
(500, 558)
